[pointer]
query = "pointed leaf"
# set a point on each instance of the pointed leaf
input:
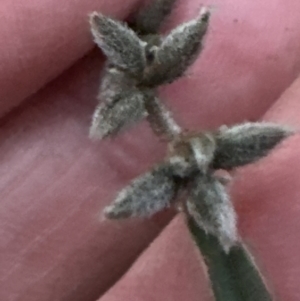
(203, 147)
(146, 195)
(120, 44)
(114, 82)
(151, 16)
(178, 51)
(124, 110)
(246, 143)
(212, 209)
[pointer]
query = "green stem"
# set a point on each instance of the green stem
(160, 118)
(233, 276)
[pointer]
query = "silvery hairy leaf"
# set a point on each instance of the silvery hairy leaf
(177, 51)
(150, 17)
(210, 206)
(120, 44)
(145, 196)
(114, 82)
(246, 143)
(203, 147)
(123, 111)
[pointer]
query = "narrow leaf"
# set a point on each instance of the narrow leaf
(203, 147)
(114, 83)
(123, 111)
(120, 44)
(234, 276)
(178, 51)
(210, 206)
(146, 195)
(246, 143)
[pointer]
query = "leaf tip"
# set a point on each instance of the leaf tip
(111, 212)
(204, 14)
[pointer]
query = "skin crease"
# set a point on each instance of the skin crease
(55, 181)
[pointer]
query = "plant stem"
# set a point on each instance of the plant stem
(160, 119)
(234, 276)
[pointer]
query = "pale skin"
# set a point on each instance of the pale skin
(55, 181)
